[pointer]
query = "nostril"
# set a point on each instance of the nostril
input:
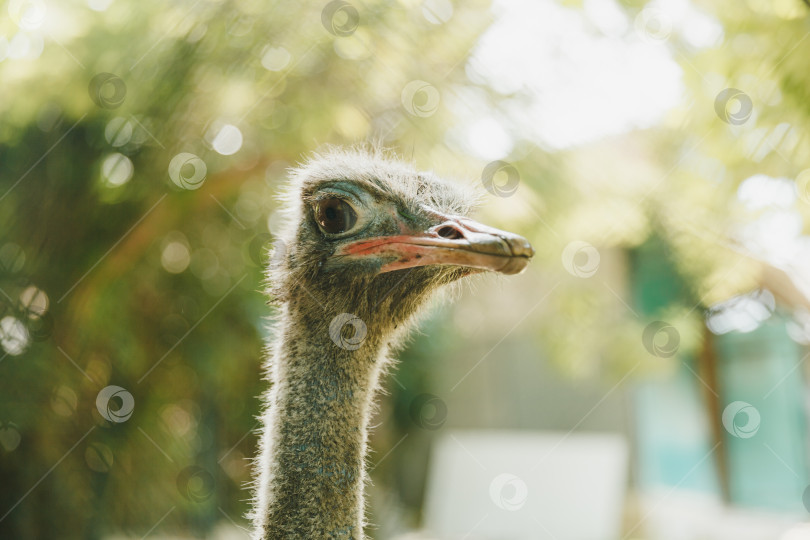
(449, 232)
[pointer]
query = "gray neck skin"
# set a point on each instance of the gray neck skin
(312, 470)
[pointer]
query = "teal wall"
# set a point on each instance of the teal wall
(770, 468)
(767, 466)
(673, 435)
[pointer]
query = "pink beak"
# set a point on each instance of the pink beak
(457, 241)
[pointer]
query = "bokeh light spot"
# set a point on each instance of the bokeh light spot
(228, 140)
(176, 254)
(275, 58)
(437, 11)
(13, 336)
(118, 131)
(117, 169)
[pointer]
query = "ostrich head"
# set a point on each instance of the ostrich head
(368, 235)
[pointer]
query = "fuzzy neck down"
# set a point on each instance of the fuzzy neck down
(313, 446)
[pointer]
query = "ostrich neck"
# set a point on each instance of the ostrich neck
(314, 440)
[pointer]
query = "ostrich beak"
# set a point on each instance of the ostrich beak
(455, 241)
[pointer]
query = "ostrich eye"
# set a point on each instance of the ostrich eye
(335, 215)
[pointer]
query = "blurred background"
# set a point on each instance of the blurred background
(644, 379)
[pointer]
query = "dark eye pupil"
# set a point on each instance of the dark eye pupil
(335, 216)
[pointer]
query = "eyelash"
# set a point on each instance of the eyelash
(406, 214)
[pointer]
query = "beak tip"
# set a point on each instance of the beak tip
(515, 265)
(521, 247)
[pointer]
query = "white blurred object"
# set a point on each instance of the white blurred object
(799, 532)
(683, 515)
(515, 485)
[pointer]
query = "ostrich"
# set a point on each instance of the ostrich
(368, 240)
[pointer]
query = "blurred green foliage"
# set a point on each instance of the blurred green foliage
(157, 289)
